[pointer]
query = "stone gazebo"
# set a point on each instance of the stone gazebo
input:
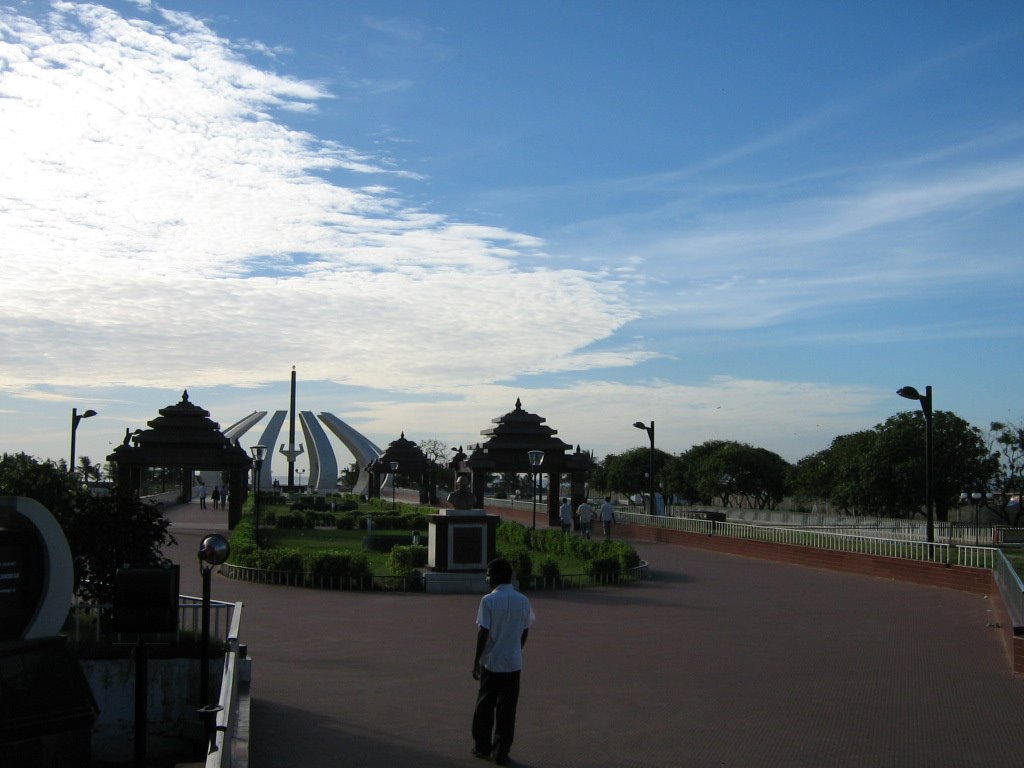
(411, 462)
(183, 436)
(505, 450)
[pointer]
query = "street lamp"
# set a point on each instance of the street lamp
(213, 551)
(650, 433)
(394, 468)
(301, 473)
(259, 453)
(75, 418)
(536, 459)
(926, 406)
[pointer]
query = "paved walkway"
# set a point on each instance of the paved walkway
(718, 661)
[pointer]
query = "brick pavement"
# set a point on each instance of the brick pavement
(720, 660)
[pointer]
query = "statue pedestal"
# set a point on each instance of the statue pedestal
(461, 540)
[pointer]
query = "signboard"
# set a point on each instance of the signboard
(36, 571)
(20, 581)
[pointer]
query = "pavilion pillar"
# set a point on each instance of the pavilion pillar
(237, 482)
(553, 500)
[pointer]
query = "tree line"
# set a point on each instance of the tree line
(879, 471)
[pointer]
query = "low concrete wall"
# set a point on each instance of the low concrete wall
(174, 729)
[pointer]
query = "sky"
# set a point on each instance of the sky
(739, 220)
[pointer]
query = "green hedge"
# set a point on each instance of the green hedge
(602, 557)
(403, 560)
(337, 564)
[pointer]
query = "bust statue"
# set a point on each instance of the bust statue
(462, 497)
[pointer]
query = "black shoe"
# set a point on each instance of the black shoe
(501, 759)
(483, 754)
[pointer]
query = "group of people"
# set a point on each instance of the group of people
(219, 496)
(585, 516)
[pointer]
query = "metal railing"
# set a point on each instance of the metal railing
(907, 549)
(93, 621)
(1012, 589)
(220, 752)
(317, 581)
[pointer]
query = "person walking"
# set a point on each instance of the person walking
(202, 495)
(607, 513)
(585, 513)
(504, 619)
(215, 497)
(565, 515)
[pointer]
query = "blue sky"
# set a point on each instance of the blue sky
(742, 220)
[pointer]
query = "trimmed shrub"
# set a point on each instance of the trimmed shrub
(405, 559)
(550, 571)
(291, 520)
(519, 557)
(603, 567)
(284, 560)
(338, 564)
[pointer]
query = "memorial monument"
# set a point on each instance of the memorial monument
(462, 538)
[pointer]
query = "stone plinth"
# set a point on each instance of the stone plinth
(461, 540)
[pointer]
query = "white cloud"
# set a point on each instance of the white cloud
(151, 196)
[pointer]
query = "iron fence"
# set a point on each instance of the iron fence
(317, 581)
(1012, 589)
(887, 546)
(94, 621)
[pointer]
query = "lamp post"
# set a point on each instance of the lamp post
(76, 417)
(301, 472)
(394, 482)
(926, 406)
(213, 551)
(536, 459)
(259, 453)
(650, 433)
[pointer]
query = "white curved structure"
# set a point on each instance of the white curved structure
(361, 448)
(323, 466)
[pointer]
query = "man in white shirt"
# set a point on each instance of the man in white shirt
(585, 512)
(565, 516)
(504, 619)
(607, 513)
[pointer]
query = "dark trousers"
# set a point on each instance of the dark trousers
(496, 709)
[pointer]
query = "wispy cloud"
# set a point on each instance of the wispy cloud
(150, 193)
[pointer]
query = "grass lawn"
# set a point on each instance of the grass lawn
(310, 542)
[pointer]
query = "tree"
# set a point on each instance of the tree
(734, 472)
(626, 473)
(961, 461)
(106, 532)
(436, 451)
(349, 475)
(882, 471)
(103, 532)
(88, 470)
(1006, 490)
